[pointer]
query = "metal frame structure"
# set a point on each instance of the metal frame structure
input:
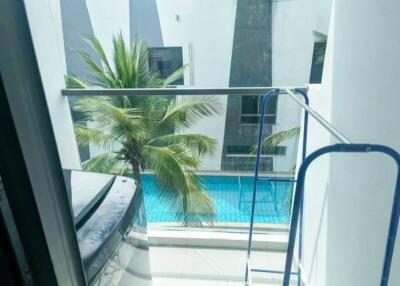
(175, 91)
(346, 146)
(257, 177)
(299, 194)
(297, 209)
(43, 233)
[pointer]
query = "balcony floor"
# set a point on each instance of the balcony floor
(206, 266)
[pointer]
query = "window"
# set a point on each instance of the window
(238, 149)
(318, 62)
(165, 61)
(251, 110)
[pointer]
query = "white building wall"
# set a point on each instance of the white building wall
(208, 26)
(359, 95)
(108, 18)
(46, 29)
(317, 187)
(365, 101)
(292, 49)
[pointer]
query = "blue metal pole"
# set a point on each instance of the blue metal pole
(259, 148)
(265, 100)
(299, 193)
(304, 154)
(394, 221)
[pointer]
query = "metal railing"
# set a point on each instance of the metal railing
(173, 91)
(346, 146)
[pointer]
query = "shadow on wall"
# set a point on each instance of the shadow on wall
(77, 25)
(145, 22)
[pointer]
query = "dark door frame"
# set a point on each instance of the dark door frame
(30, 167)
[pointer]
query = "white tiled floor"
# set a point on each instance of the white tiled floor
(204, 266)
(194, 282)
(188, 266)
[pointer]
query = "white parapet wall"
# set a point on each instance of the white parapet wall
(46, 29)
(359, 95)
(364, 78)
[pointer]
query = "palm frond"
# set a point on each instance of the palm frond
(146, 128)
(282, 136)
(130, 65)
(142, 75)
(117, 122)
(274, 140)
(104, 163)
(122, 62)
(96, 45)
(196, 209)
(88, 135)
(182, 112)
(176, 75)
(180, 187)
(122, 171)
(75, 82)
(198, 143)
(101, 78)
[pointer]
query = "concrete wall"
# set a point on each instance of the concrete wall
(145, 22)
(76, 26)
(250, 66)
(366, 69)
(90, 18)
(205, 31)
(82, 19)
(207, 26)
(359, 95)
(293, 23)
(46, 29)
(303, 20)
(108, 18)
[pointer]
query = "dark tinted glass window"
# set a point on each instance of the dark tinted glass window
(251, 110)
(318, 62)
(250, 104)
(165, 61)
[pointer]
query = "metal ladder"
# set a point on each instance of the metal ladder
(258, 178)
(296, 221)
(299, 194)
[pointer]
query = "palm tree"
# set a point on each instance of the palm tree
(270, 142)
(280, 137)
(146, 132)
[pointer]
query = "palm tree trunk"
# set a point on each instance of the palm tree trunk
(136, 173)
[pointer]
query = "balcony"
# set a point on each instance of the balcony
(143, 114)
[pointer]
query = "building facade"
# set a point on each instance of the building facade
(226, 43)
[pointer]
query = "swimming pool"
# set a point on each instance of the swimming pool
(232, 200)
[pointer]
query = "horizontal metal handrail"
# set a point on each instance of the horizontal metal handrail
(173, 91)
(208, 91)
(334, 131)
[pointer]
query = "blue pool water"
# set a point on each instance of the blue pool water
(232, 200)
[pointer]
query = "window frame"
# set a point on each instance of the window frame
(258, 115)
(33, 178)
(180, 81)
(316, 74)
